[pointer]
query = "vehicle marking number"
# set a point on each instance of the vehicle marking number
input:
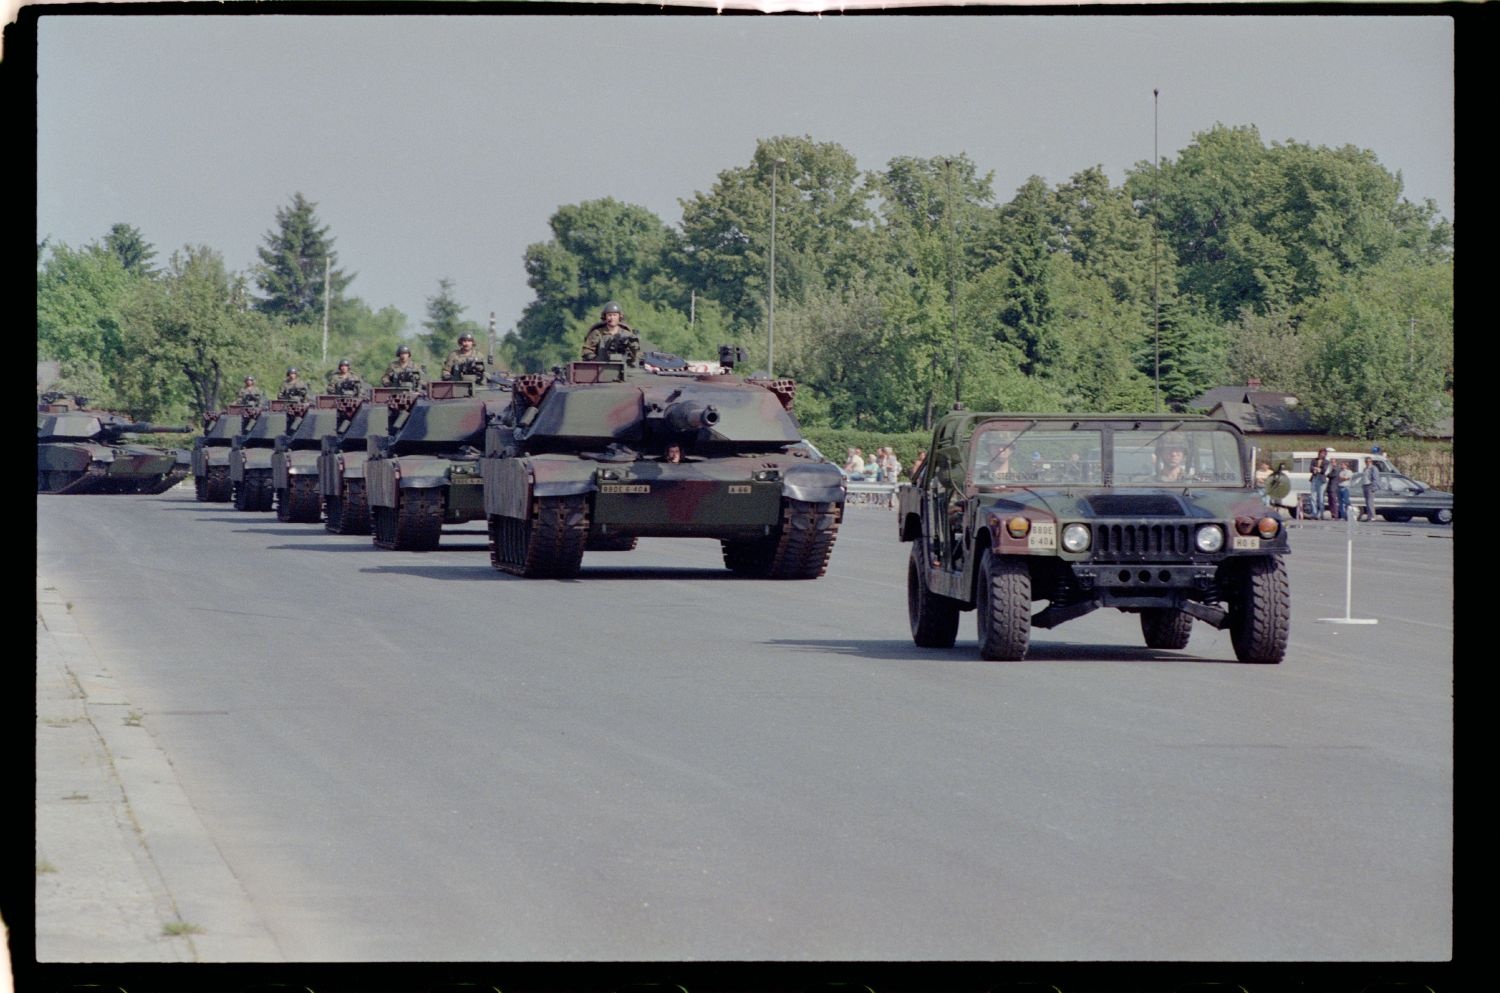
(739, 488)
(1043, 535)
(1245, 541)
(625, 488)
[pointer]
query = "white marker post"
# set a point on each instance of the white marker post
(1348, 617)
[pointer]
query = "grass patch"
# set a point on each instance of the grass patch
(133, 719)
(43, 867)
(180, 929)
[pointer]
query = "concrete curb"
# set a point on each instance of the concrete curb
(126, 871)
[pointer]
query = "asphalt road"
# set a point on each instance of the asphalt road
(410, 757)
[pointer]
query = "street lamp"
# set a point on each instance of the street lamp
(771, 308)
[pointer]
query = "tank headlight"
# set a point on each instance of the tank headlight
(1210, 538)
(1268, 527)
(609, 474)
(767, 475)
(1076, 537)
(1018, 527)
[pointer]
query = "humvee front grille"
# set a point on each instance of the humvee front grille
(1139, 542)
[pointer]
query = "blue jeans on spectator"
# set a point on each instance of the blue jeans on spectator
(1344, 501)
(1317, 498)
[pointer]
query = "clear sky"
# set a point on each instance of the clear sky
(439, 146)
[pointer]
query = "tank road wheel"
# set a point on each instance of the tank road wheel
(934, 618)
(1004, 608)
(611, 543)
(1260, 608)
(354, 509)
(1166, 627)
(298, 503)
(550, 543)
(333, 514)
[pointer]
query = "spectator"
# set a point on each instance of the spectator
(1317, 481)
(854, 465)
(1369, 480)
(1345, 476)
(1333, 489)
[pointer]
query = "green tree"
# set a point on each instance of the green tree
(79, 296)
(132, 249)
(1269, 347)
(188, 337)
(290, 274)
(1380, 351)
(1025, 313)
(822, 228)
(445, 322)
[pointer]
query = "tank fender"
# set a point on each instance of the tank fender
(813, 483)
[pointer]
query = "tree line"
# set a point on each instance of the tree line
(897, 290)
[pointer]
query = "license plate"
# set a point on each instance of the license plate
(1043, 535)
(625, 488)
(1245, 541)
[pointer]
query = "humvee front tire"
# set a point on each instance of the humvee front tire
(1004, 608)
(934, 618)
(1166, 627)
(1260, 608)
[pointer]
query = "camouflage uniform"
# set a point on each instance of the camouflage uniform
(458, 357)
(250, 397)
(293, 391)
(601, 332)
(397, 374)
(347, 384)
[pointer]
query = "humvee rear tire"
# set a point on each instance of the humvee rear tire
(1004, 608)
(1166, 627)
(934, 618)
(1260, 608)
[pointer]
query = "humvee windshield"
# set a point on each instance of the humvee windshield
(1013, 453)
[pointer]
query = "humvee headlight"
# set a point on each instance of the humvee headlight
(1075, 537)
(1268, 527)
(1018, 527)
(1210, 538)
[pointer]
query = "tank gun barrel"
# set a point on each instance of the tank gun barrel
(690, 415)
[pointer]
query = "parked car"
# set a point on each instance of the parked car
(1400, 498)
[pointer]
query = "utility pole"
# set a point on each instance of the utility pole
(771, 308)
(327, 262)
(1156, 234)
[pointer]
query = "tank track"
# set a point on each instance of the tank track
(254, 491)
(214, 487)
(90, 480)
(350, 513)
(550, 543)
(799, 551)
(167, 481)
(300, 502)
(415, 524)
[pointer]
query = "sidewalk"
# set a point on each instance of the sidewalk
(125, 870)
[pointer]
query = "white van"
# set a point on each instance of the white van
(1298, 501)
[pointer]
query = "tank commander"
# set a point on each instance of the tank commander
(344, 382)
(611, 335)
(250, 395)
(674, 453)
(464, 363)
(403, 371)
(292, 388)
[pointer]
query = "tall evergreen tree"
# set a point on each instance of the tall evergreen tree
(445, 322)
(134, 252)
(292, 260)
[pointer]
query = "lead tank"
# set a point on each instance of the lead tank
(81, 450)
(579, 462)
(427, 474)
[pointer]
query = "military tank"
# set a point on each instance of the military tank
(211, 451)
(295, 457)
(584, 459)
(81, 450)
(341, 460)
(250, 454)
(426, 475)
